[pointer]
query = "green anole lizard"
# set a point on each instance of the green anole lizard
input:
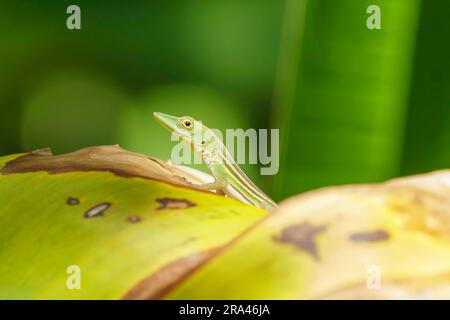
(229, 178)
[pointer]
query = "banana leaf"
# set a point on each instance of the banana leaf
(343, 112)
(130, 225)
(381, 241)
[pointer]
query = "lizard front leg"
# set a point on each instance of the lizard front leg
(215, 185)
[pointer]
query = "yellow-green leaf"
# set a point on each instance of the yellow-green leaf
(387, 240)
(129, 222)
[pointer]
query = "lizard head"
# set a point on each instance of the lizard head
(186, 128)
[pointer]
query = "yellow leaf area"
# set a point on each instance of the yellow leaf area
(389, 240)
(130, 236)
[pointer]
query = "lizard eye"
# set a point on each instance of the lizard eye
(186, 123)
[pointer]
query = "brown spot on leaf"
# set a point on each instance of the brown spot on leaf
(174, 203)
(302, 236)
(161, 282)
(371, 236)
(134, 219)
(71, 201)
(97, 211)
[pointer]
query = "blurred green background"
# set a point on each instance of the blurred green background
(353, 105)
